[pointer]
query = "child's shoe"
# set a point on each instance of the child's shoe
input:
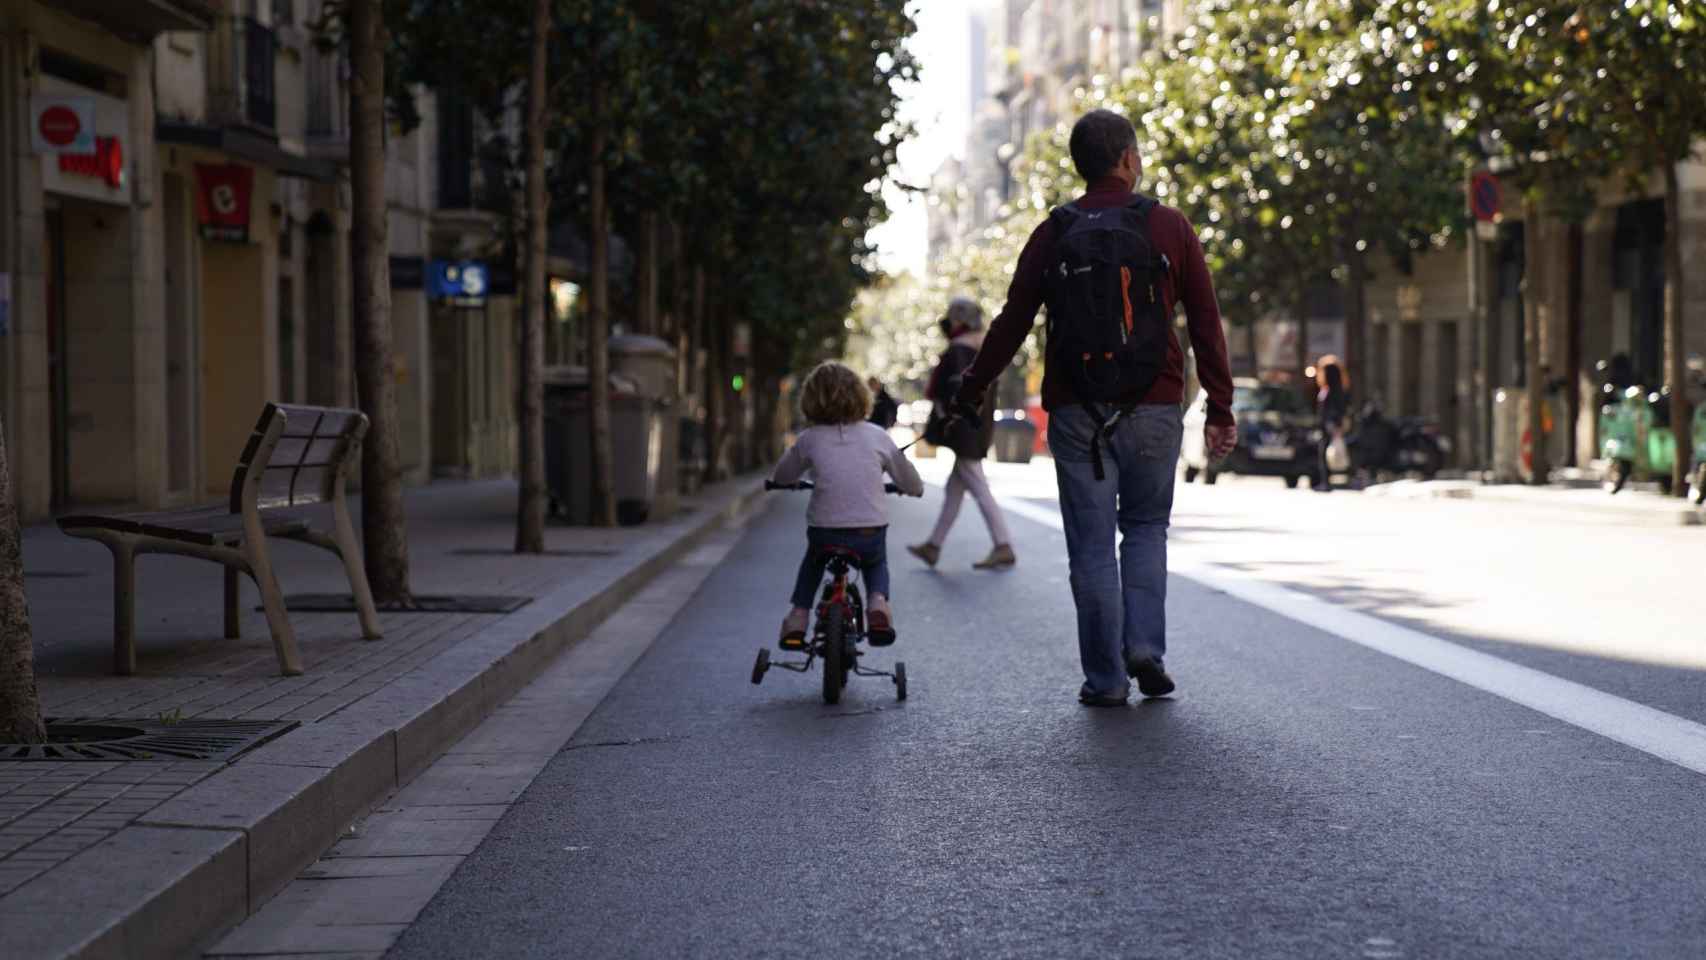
(794, 629)
(879, 621)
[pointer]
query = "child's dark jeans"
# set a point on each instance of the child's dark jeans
(870, 543)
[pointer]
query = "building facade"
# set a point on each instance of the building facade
(177, 254)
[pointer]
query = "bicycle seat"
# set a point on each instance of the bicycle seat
(847, 553)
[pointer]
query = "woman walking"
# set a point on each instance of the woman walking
(963, 326)
(1333, 404)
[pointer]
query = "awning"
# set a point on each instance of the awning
(242, 145)
(144, 19)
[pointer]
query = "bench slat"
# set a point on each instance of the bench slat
(207, 527)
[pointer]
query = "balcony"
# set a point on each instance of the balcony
(328, 103)
(241, 77)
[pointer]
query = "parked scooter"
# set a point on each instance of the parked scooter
(1402, 446)
(1636, 438)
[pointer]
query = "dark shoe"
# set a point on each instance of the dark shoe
(1151, 677)
(1102, 699)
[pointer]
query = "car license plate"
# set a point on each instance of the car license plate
(1274, 451)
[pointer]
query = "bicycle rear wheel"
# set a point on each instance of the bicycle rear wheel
(834, 627)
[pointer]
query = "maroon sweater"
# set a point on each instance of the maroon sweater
(1187, 282)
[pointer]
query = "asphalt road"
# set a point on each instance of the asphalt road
(1302, 795)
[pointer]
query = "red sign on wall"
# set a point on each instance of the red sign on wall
(106, 164)
(59, 125)
(222, 196)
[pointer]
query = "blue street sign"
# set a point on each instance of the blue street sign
(462, 282)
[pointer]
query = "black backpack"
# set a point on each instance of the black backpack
(1107, 321)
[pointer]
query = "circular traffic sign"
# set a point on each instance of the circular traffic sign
(1486, 198)
(59, 125)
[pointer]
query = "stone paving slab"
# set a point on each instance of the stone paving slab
(373, 713)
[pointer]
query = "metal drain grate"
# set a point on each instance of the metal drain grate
(501, 552)
(455, 603)
(84, 738)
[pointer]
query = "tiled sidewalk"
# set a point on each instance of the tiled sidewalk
(50, 811)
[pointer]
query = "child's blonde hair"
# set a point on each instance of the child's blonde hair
(834, 394)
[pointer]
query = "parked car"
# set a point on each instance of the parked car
(1277, 435)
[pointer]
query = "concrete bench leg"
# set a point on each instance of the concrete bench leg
(124, 606)
(233, 604)
(349, 550)
(272, 600)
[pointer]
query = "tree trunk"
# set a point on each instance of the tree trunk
(1300, 309)
(646, 313)
(1532, 378)
(1676, 348)
(598, 327)
(20, 709)
(530, 460)
(716, 391)
(1573, 346)
(1357, 361)
(385, 546)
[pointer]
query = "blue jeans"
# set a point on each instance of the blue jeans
(870, 543)
(1121, 603)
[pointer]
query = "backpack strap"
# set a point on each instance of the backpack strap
(1104, 427)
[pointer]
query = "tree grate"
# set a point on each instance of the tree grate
(158, 739)
(501, 552)
(420, 603)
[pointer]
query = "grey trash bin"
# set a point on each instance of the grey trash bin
(1014, 440)
(650, 363)
(636, 442)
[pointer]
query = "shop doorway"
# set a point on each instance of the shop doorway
(91, 368)
(233, 356)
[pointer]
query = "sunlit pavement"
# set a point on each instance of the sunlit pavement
(1387, 742)
(1522, 581)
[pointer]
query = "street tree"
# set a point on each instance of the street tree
(530, 462)
(20, 708)
(385, 543)
(1638, 69)
(1501, 72)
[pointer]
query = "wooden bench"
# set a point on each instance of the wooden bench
(297, 456)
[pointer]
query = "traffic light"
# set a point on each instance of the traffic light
(739, 383)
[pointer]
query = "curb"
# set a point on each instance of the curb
(1632, 509)
(205, 860)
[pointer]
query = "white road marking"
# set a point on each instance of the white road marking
(1654, 732)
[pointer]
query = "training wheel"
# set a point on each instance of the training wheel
(760, 665)
(900, 681)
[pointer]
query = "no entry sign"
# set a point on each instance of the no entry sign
(62, 125)
(1486, 197)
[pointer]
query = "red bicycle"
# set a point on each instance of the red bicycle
(838, 625)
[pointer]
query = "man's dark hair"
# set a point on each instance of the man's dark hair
(1099, 139)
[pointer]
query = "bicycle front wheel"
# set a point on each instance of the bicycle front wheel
(834, 652)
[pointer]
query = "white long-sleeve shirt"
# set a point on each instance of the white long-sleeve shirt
(847, 463)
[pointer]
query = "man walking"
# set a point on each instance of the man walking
(1111, 267)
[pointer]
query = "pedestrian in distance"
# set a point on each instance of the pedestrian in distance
(1111, 267)
(968, 437)
(1333, 411)
(847, 457)
(884, 409)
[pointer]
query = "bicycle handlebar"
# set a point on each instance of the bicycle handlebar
(808, 485)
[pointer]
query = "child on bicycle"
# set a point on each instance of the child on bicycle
(847, 458)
